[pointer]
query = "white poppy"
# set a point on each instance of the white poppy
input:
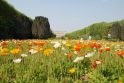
(78, 59)
(98, 62)
(53, 42)
(24, 55)
(89, 54)
(56, 45)
(81, 40)
(65, 54)
(64, 42)
(63, 48)
(75, 52)
(32, 51)
(17, 60)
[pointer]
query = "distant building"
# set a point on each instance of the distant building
(59, 34)
(109, 35)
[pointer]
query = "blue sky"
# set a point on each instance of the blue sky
(71, 15)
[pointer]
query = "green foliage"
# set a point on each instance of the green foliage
(8, 29)
(8, 22)
(97, 31)
(121, 22)
(7, 10)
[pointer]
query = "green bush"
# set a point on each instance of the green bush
(98, 31)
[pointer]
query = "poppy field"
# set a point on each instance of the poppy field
(61, 61)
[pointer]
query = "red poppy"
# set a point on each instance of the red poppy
(77, 48)
(94, 65)
(107, 48)
(120, 53)
(98, 45)
(79, 45)
(70, 56)
(4, 44)
(100, 50)
(93, 45)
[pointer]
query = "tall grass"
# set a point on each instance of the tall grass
(55, 67)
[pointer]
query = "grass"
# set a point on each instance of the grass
(57, 65)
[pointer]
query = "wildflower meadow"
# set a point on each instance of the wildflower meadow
(61, 61)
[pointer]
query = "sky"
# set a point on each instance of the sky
(71, 15)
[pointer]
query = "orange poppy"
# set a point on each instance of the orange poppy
(107, 48)
(94, 65)
(86, 45)
(77, 48)
(70, 56)
(15, 51)
(120, 53)
(79, 45)
(39, 43)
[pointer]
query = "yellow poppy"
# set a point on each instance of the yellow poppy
(4, 52)
(15, 51)
(72, 70)
(119, 81)
(47, 52)
(67, 44)
(39, 49)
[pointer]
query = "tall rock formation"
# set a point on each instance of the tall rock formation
(23, 29)
(41, 28)
(15, 25)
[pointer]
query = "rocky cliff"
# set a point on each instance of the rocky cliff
(23, 29)
(41, 28)
(14, 24)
